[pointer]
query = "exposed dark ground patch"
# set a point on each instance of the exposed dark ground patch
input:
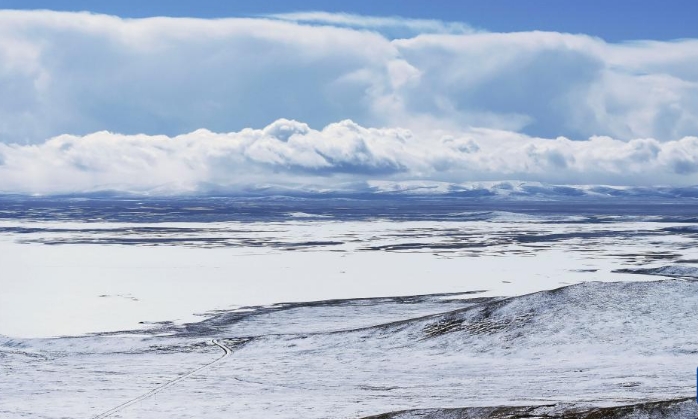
(685, 408)
(220, 321)
(672, 271)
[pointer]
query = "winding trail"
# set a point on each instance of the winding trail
(227, 351)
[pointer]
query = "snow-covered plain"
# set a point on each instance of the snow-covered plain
(511, 309)
(67, 278)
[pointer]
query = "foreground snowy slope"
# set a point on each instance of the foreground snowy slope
(586, 345)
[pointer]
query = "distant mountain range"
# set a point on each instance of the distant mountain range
(514, 190)
(500, 190)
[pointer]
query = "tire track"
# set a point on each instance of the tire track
(227, 351)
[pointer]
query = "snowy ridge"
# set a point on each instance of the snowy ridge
(590, 317)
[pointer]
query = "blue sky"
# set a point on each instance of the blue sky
(612, 20)
(235, 96)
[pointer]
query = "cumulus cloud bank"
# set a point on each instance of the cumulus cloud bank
(79, 73)
(292, 154)
(455, 104)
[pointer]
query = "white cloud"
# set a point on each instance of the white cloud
(85, 73)
(382, 24)
(80, 73)
(290, 153)
(455, 104)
